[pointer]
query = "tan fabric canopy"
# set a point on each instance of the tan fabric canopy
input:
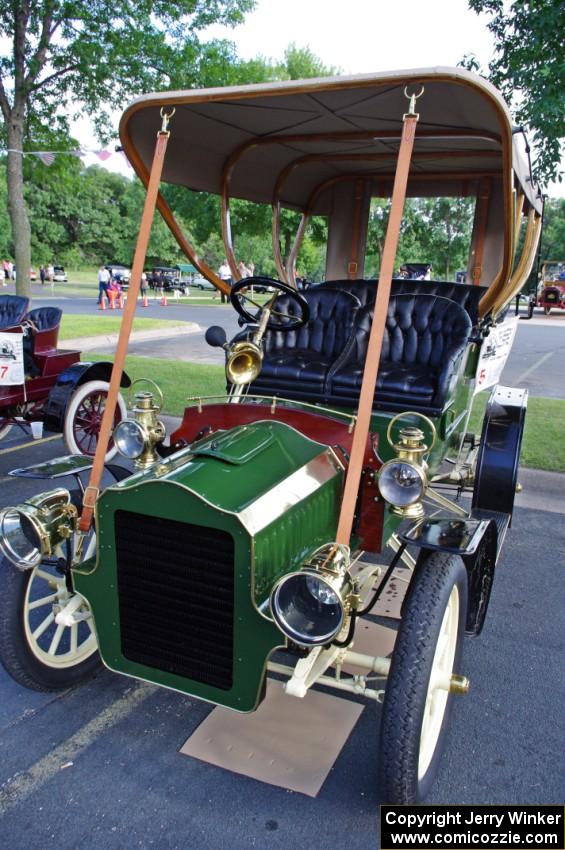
(295, 137)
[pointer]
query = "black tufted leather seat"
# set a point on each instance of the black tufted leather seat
(45, 318)
(423, 346)
(296, 363)
(12, 310)
(427, 330)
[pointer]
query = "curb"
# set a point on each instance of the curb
(90, 343)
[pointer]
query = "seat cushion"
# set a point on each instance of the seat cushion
(301, 370)
(395, 381)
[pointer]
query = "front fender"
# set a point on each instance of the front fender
(67, 382)
(475, 541)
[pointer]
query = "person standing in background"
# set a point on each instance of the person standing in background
(224, 273)
(103, 282)
(50, 273)
(42, 275)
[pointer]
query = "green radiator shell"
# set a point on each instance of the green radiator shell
(274, 491)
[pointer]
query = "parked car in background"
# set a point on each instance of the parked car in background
(168, 278)
(551, 288)
(200, 282)
(120, 273)
(59, 274)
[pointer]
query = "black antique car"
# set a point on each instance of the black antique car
(258, 537)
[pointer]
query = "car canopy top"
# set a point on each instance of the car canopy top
(309, 145)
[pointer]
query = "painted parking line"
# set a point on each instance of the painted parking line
(535, 366)
(31, 443)
(19, 787)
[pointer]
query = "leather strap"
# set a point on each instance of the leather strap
(377, 331)
(125, 330)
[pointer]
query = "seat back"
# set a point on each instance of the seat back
(12, 310)
(424, 329)
(465, 294)
(332, 315)
(47, 320)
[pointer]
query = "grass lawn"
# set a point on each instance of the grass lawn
(101, 325)
(543, 446)
(177, 379)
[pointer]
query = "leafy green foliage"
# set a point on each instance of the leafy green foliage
(529, 69)
(434, 230)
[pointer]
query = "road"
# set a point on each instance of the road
(535, 363)
(98, 767)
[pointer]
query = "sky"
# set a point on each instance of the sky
(361, 36)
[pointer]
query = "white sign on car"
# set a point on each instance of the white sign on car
(494, 353)
(11, 359)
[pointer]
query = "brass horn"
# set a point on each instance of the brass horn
(243, 362)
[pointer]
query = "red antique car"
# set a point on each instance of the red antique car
(551, 290)
(52, 384)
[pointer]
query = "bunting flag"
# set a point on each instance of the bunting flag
(46, 157)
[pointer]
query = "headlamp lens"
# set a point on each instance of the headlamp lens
(401, 483)
(129, 438)
(307, 609)
(19, 539)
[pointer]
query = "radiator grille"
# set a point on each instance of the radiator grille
(176, 597)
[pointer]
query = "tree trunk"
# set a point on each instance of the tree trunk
(21, 231)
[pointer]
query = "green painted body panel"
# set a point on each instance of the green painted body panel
(216, 486)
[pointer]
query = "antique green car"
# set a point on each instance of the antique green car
(259, 535)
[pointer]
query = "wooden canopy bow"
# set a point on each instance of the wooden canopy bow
(92, 491)
(374, 346)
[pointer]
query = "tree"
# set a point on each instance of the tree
(69, 57)
(529, 69)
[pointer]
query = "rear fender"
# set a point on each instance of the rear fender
(61, 393)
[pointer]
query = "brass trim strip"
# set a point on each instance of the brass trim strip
(289, 492)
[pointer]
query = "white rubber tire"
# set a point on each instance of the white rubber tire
(83, 416)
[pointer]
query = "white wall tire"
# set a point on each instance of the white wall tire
(5, 427)
(417, 702)
(84, 416)
(36, 651)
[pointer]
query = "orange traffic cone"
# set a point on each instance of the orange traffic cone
(102, 303)
(144, 301)
(164, 301)
(112, 297)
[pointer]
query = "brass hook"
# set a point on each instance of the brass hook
(413, 98)
(166, 116)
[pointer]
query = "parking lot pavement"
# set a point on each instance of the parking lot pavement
(98, 766)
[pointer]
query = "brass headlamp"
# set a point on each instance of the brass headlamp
(311, 606)
(136, 437)
(404, 480)
(32, 531)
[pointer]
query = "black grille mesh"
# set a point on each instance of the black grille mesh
(176, 597)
